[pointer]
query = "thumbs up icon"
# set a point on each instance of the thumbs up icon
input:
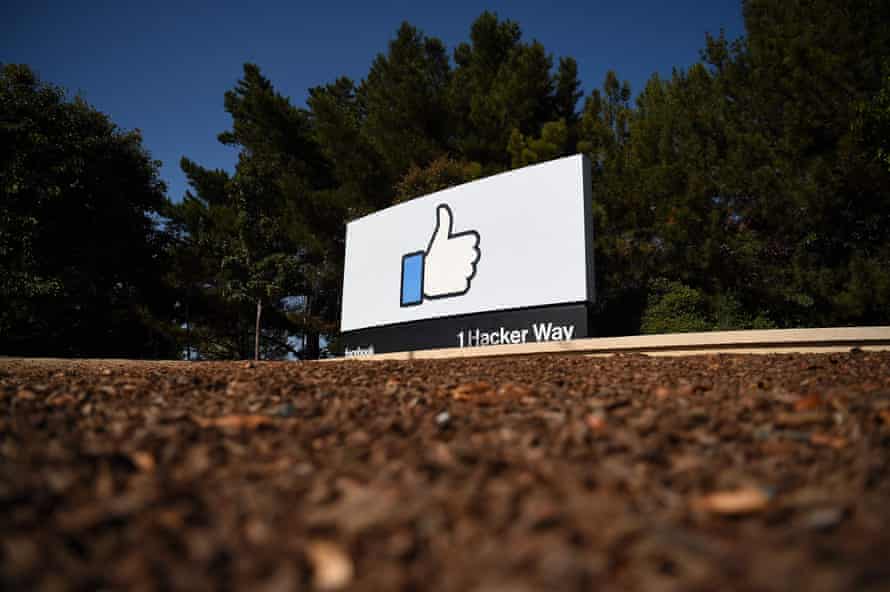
(447, 266)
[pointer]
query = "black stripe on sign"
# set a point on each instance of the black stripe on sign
(525, 325)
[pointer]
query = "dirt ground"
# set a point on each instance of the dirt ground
(509, 474)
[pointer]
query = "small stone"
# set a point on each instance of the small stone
(286, 410)
(60, 480)
(284, 579)
(258, 532)
(143, 460)
(596, 422)
(236, 388)
(21, 554)
(685, 389)
(332, 568)
(443, 418)
(823, 518)
(26, 395)
(391, 387)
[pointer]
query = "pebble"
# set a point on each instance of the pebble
(286, 410)
(331, 566)
(823, 518)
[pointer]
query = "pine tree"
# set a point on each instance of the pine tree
(406, 116)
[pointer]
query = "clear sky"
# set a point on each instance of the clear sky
(163, 66)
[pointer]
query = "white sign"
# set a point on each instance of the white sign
(515, 240)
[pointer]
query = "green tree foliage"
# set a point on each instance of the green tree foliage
(79, 244)
(746, 191)
(262, 239)
(203, 228)
(274, 231)
(442, 173)
(803, 183)
(551, 144)
(748, 178)
(749, 190)
(358, 169)
(674, 308)
(500, 84)
(404, 97)
(874, 121)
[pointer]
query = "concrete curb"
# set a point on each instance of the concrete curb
(833, 339)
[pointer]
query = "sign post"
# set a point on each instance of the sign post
(505, 259)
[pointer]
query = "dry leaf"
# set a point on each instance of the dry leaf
(61, 400)
(808, 403)
(512, 390)
(836, 442)
(801, 419)
(472, 390)
(247, 422)
(739, 501)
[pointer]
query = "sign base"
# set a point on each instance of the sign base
(525, 325)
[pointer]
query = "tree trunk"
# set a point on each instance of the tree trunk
(312, 345)
(256, 342)
(188, 326)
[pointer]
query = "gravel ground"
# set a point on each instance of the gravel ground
(528, 473)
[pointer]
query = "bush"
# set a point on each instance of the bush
(674, 307)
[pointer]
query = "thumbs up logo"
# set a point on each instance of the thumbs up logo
(447, 266)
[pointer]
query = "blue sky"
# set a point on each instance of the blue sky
(163, 66)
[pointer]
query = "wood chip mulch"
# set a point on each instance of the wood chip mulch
(507, 474)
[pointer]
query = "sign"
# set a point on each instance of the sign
(488, 262)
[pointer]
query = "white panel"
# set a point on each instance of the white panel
(532, 249)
